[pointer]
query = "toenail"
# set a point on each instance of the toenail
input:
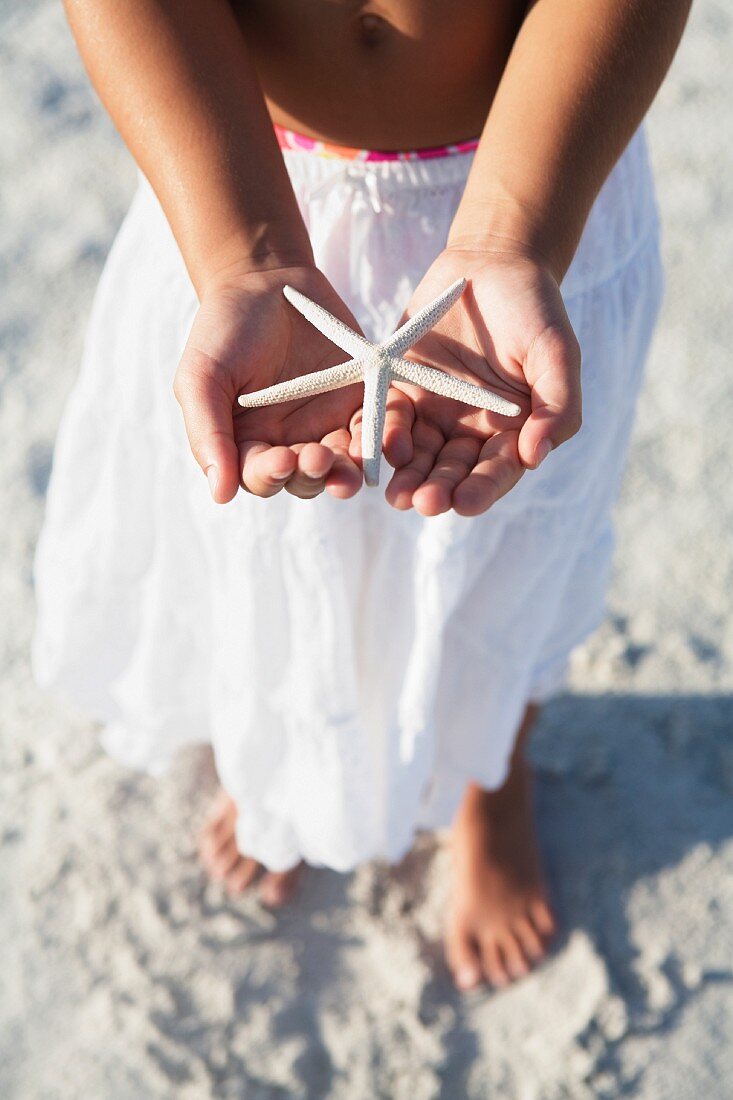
(467, 977)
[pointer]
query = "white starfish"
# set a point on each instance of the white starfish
(376, 365)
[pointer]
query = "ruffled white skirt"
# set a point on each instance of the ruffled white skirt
(352, 666)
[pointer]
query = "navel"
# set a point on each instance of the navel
(372, 29)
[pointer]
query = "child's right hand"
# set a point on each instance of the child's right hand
(246, 336)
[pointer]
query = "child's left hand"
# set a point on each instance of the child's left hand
(509, 331)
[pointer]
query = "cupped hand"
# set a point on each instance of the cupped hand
(245, 337)
(509, 331)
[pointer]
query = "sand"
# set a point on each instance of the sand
(126, 977)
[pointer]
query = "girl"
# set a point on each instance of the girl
(363, 664)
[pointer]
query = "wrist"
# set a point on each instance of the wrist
(242, 257)
(507, 228)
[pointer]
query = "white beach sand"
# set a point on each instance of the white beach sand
(126, 977)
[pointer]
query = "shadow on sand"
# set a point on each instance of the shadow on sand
(627, 786)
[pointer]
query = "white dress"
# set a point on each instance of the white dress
(352, 666)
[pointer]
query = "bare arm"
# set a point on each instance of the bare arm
(177, 81)
(176, 78)
(580, 77)
(579, 80)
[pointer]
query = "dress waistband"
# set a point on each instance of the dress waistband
(291, 140)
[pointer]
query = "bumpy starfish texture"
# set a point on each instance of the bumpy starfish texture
(377, 365)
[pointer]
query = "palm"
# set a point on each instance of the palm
(247, 337)
(462, 456)
(291, 347)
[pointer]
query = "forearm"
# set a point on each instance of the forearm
(580, 78)
(177, 81)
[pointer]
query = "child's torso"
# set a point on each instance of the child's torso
(395, 74)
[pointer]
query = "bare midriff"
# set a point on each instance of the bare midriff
(403, 74)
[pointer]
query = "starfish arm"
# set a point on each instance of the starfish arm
(376, 388)
(447, 385)
(336, 331)
(417, 326)
(305, 385)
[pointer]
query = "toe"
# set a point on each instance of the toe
(530, 940)
(515, 961)
(462, 959)
(225, 859)
(215, 827)
(241, 875)
(493, 963)
(210, 846)
(543, 919)
(219, 821)
(279, 887)
(223, 807)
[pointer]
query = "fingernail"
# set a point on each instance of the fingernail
(467, 977)
(543, 449)
(212, 474)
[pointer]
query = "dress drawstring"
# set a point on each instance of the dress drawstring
(357, 178)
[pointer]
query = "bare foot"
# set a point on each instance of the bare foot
(499, 920)
(224, 862)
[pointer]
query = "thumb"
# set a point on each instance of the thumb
(552, 369)
(209, 419)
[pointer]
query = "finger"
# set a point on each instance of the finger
(266, 469)
(208, 416)
(452, 465)
(398, 424)
(314, 461)
(552, 368)
(399, 418)
(344, 478)
(497, 471)
(427, 442)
